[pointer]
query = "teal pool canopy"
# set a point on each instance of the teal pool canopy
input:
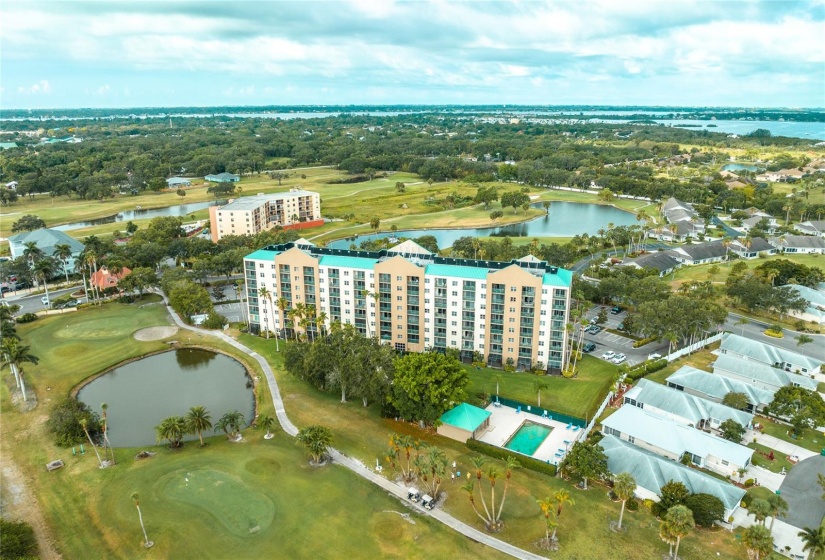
(465, 416)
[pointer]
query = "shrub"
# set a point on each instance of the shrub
(214, 321)
(26, 318)
(642, 342)
(706, 509)
(18, 540)
(64, 422)
(748, 483)
(499, 453)
(646, 368)
(632, 504)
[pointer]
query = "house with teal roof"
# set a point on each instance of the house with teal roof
(464, 422)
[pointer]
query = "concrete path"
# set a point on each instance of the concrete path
(783, 533)
(784, 447)
(354, 465)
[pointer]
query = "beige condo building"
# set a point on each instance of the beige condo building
(249, 215)
(509, 312)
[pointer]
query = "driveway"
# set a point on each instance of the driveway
(806, 508)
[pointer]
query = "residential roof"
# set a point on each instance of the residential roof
(466, 417)
(262, 255)
(680, 215)
(178, 181)
(470, 273)
(766, 353)
(223, 177)
(717, 386)
(761, 372)
(409, 247)
(256, 201)
(7, 145)
(673, 203)
(652, 471)
(813, 225)
(757, 245)
(661, 261)
(673, 437)
(815, 297)
(46, 239)
(799, 241)
(562, 278)
(347, 262)
(703, 251)
(103, 278)
(685, 405)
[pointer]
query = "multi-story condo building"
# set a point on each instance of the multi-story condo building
(249, 215)
(509, 312)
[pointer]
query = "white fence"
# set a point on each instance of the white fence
(596, 416)
(695, 346)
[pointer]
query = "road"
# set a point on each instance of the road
(754, 331)
(31, 303)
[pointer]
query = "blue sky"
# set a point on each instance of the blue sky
(140, 54)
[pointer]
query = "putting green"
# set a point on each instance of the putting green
(96, 329)
(242, 511)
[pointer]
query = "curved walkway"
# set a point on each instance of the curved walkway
(354, 465)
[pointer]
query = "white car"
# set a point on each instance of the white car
(45, 300)
(655, 356)
(608, 355)
(619, 358)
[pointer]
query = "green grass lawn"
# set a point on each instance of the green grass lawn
(700, 272)
(578, 397)
(810, 439)
(779, 460)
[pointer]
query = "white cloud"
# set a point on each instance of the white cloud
(41, 87)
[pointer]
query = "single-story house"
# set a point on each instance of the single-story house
(751, 223)
(46, 240)
(815, 312)
(742, 347)
(750, 249)
(673, 440)
(811, 227)
(678, 209)
(662, 261)
(652, 471)
(683, 230)
(103, 278)
(714, 387)
(701, 253)
(12, 185)
(7, 145)
(799, 243)
(759, 373)
(223, 178)
(175, 182)
(682, 407)
(464, 422)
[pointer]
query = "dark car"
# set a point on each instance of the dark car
(589, 347)
(621, 326)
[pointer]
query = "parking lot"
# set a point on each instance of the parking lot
(234, 312)
(606, 341)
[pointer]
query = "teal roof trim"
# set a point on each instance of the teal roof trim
(262, 255)
(347, 262)
(563, 278)
(465, 416)
(454, 271)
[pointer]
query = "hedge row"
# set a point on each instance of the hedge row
(646, 368)
(500, 453)
(642, 342)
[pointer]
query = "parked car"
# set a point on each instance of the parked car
(621, 326)
(616, 310)
(618, 358)
(608, 355)
(45, 300)
(655, 356)
(588, 347)
(595, 329)
(594, 320)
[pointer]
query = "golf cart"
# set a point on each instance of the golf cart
(413, 495)
(428, 502)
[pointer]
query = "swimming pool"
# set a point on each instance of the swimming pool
(528, 438)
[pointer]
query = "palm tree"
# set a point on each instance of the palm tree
(282, 304)
(778, 507)
(497, 377)
(548, 510)
(146, 542)
(743, 321)
(171, 429)
(539, 385)
(32, 252)
(44, 269)
(316, 439)
(266, 422)
(760, 509)
(198, 419)
(84, 423)
(264, 294)
(230, 423)
(321, 319)
(15, 354)
(510, 464)
(106, 445)
(758, 541)
(678, 522)
(561, 499)
(624, 485)
(63, 252)
(801, 340)
(478, 462)
(813, 540)
(294, 315)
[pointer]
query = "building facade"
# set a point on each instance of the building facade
(509, 312)
(253, 214)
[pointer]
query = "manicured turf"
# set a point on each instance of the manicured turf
(810, 439)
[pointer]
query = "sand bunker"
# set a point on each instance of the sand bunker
(155, 333)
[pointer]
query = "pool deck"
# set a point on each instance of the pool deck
(505, 421)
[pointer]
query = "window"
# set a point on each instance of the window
(398, 278)
(631, 439)
(725, 463)
(611, 432)
(455, 283)
(512, 299)
(513, 289)
(260, 265)
(263, 274)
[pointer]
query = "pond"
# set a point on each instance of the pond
(565, 219)
(142, 393)
(177, 210)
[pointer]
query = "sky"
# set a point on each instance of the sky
(604, 52)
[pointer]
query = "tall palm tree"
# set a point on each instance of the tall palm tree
(758, 541)
(14, 354)
(32, 252)
(283, 305)
(778, 508)
(813, 540)
(624, 485)
(322, 321)
(510, 465)
(146, 542)
(265, 295)
(107, 446)
(171, 429)
(539, 385)
(677, 524)
(478, 462)
(198, 419)
(561, 498)
(63, 252)
(44, 269)
(548, 510)
(84, 423)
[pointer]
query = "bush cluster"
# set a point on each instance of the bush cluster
(499, 453)
(64, 422)
(26, 318)
(18, 542)
(643, 341)
(646, 368)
